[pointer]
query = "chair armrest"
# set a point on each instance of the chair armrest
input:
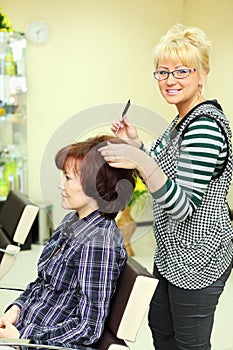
(8, 259)
(10, 252)
(12, 289)
(26, 343)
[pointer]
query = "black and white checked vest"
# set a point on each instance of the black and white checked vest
(194, 253)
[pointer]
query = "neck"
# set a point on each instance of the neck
(87, 209)
(185, 108)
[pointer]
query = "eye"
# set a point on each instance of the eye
(182, 71)
(66, 176)
(163, 72)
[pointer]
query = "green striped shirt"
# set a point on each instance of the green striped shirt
(203, 152)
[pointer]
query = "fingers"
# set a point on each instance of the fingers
(110, 155)
(119, 125)
(115, 165)
(1, 322)
(105, 150)
(5, 321)
(8, 330)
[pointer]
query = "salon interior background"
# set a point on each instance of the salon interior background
(100, 52)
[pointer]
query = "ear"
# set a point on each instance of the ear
(202, 78)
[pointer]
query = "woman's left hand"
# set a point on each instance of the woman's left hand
(129, 157)
(8, 330)
(121, 155)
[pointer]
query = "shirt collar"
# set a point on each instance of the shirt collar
(74, 225)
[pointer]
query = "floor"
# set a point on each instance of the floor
(143, 245)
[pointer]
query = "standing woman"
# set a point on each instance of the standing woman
(188, 171)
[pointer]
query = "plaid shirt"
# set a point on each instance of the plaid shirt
(77, 275)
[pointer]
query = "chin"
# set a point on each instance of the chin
(170, 100)
(65, 205)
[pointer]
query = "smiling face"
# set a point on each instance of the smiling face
(73, 196)
(184, 93)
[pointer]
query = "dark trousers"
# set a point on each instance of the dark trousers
(181, 318)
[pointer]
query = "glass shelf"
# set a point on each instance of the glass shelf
(13, 121)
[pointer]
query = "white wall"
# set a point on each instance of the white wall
(216, 18)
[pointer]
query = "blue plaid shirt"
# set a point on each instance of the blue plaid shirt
(77, 275)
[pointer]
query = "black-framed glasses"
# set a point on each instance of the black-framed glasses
(178, 73)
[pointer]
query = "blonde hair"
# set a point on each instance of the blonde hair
(188, 44)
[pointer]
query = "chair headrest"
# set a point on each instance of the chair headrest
(11, 212)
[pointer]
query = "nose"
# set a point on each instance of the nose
(60, 184)
(171, 79)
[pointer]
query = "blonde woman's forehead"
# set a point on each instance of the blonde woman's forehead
(176, 59)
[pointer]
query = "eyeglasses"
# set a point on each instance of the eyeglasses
(178, 73)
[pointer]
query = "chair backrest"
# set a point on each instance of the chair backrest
(16, 218)
(129, 305)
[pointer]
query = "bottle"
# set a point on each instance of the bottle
(9, 63)
(4, 185)
(2, 64)
(8, 174)
(20, 176)
(4, 190)
(2, 109)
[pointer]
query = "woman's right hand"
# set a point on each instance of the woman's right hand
(12, 315)
(126, 131)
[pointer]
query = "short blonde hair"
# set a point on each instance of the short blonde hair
(188, 44)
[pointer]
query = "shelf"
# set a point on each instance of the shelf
(13, 121)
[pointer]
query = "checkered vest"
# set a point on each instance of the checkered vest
(194, 253)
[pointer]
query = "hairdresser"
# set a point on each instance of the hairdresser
(188, 171)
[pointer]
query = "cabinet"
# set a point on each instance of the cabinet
(13, 132)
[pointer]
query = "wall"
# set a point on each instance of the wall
(99, 52)
(216, 18)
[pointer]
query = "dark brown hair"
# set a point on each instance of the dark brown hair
(112, 188)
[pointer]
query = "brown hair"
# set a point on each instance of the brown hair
(112, 188)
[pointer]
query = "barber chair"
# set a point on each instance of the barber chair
(16, 218)
(129, 306)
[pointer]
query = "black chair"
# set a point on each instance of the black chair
(130, 303)
(16, 218)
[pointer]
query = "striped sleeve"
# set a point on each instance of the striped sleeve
(202, 155)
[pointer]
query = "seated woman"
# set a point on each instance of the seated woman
(79, 267)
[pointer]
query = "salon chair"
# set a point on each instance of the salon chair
(16, 218)
(130, 303)
(129, 306)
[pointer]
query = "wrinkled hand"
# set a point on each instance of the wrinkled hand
(126, 131)
(8, 330)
